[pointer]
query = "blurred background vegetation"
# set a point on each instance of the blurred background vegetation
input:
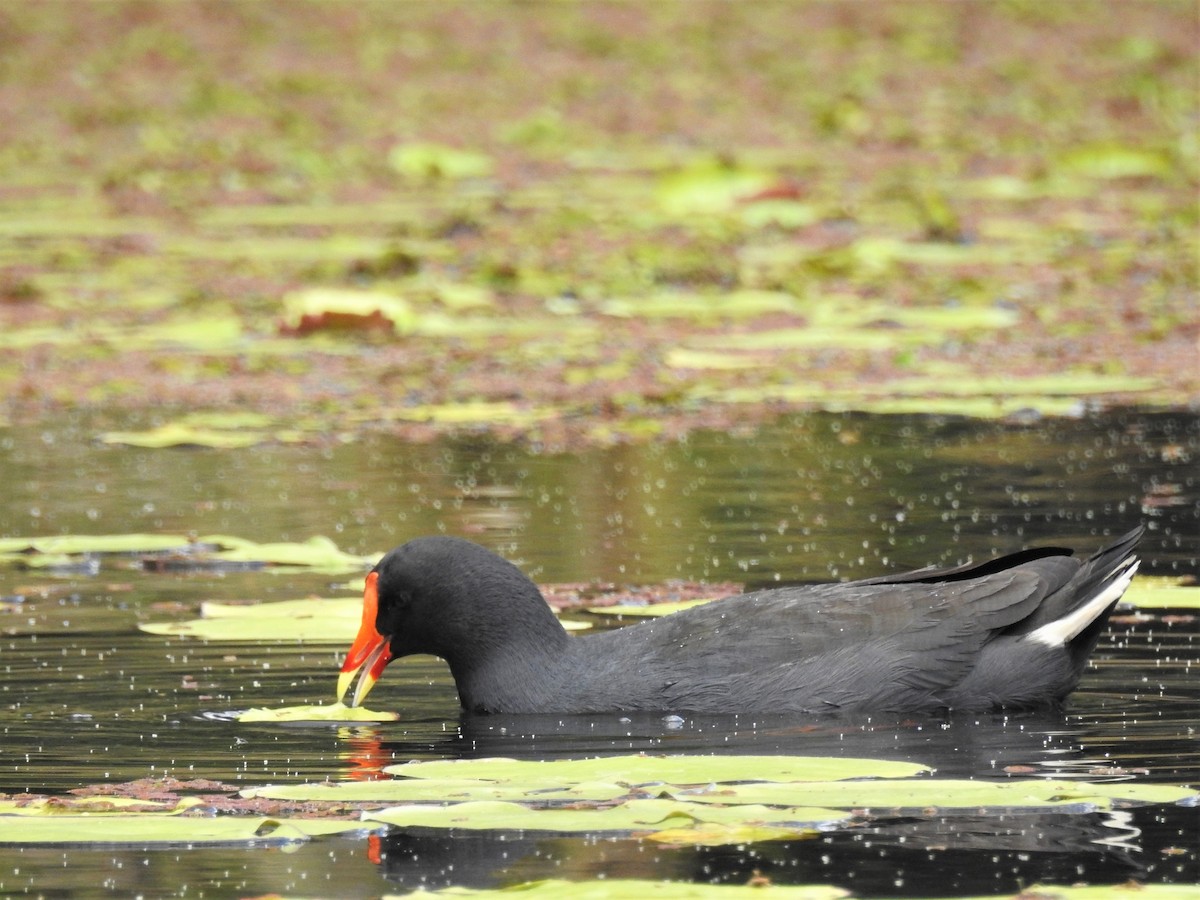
(594, 221)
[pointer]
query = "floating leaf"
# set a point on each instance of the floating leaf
(332, 712)
(940, 793)
(709, 186)
(1114, 161)
(457, 296)
(851, 338)
(438, 161)
(318, 552)
(682, 358)
(682, 305)
(144, 830)
(780, 212)
(1130, 890)
(333, 621)
(476, 412)
(632, 889)
(92, 806)
(439, 790)
(648, 610)
(1146, 592)
(678, 770)
(179, 434)
(72, 544)
(343, 309)
(631, 816)
(712, 834)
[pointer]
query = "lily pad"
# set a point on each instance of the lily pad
(312, 620)
(1115, 161)
(318, 552)
(147, 830)
(331, 712)
(421, 160)
(344, 309)
(637, 889)
(710, 186)
(629, 817)
(180, 434)
(93, 806)
(1146, 592)
(678, 770)
(481, 412)
(648, 610)
(743, 304)
(942, 794)
(441, 790)
(73, 544)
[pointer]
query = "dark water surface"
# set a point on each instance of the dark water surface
(85, 698)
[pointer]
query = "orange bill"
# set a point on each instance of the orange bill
(370, 652)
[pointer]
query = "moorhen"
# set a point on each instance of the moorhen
(1011, 633)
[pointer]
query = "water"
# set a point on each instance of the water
(88, 699)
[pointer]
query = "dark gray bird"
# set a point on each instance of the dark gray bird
(1011, 633)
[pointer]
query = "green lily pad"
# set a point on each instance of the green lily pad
(441, 790)
(93, 806)
(482, 412)
(708, 187)
(331, 712)
(683, 358)
(743, 304)
(318, 552)
(344, 309)
(631, 816)
(648, 610)
(717, 834)
(942, 794)
(1147, 592)
(147, 830)
(75, 544)
(637, 889)
(1115, 161)
(179, 434)
(312, 620)
(1130, 890)
(678, 770)
(419, 160)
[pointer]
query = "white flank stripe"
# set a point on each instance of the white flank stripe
(1060, 631)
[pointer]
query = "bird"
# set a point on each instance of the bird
(1011, 633)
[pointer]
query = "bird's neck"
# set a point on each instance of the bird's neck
(511, 664)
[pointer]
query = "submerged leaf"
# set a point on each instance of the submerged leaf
(635, 889)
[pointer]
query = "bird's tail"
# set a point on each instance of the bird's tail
(1093, 592)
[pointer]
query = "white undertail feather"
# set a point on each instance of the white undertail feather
(1061, 631)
